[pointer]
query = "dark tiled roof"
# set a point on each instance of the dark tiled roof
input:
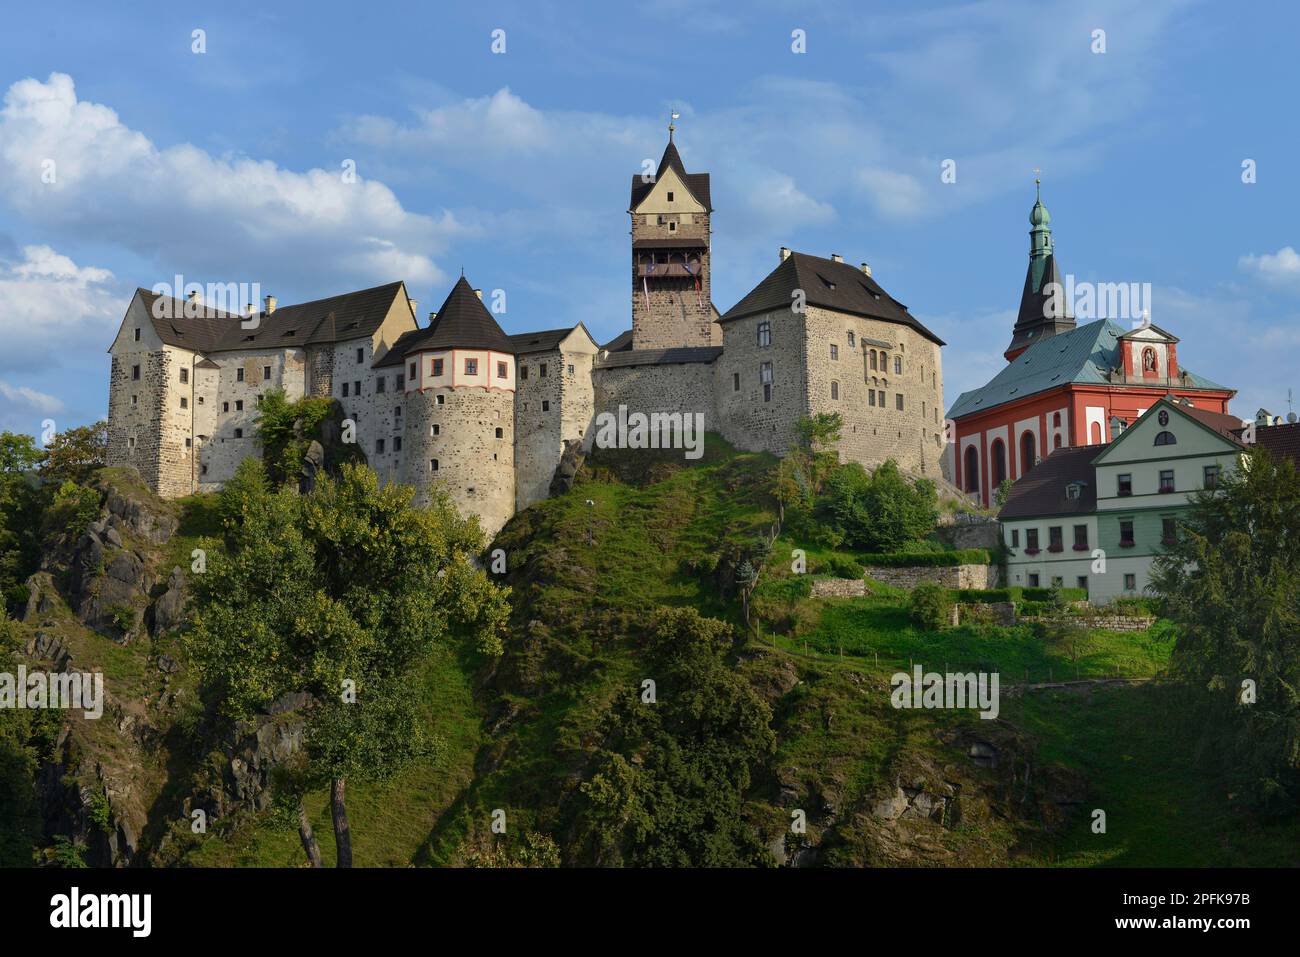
(1041, 490)
(1281, 440)
(463, 322)
(697, 183)
(352, 315)
(1229, 426)
(830, 285)
(682, 243)
(526, 342)
(620, 343)
(659, 357)
(1032, 321)
(1083, 355)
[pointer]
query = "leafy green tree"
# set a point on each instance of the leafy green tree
(343, 593)
(669, 784)
(21, 503)
(74, 453)
(285, 430)
(879, 511)
(1002, 492)
(18, 453)
(1231, 582)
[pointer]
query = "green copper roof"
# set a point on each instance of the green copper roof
(1084, 355)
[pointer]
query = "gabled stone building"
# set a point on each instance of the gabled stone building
(459, 404)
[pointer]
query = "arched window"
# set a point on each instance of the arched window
(1165, 438)
(1028, 448)
(1094, 437)
(999, 462)
(972, 469)
(1056, 441)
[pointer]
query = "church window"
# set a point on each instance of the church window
(1056, 419)
(185, 375)
(433, 465)
(764, 334)
(835, 351)
(972, 475)
(999, 462)
(471, 367)
(501, 370)
(1165, 438)
(835, 391)
(135, 372)
(1028, 452)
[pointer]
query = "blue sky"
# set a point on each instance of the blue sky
(225, 166)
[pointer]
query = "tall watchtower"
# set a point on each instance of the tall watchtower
(671, 304)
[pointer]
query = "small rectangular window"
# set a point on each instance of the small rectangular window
(356, 388)
(835, 351)
(189, 443)
(239, 405)
(1124, 485)
(414, 374)
(225, 407)
(137, 335)
(135, 372)
(361, 354)
(898, 401)
(397, 411)
(436, 368)
(1168, 531)
(1130, 582)
(546, 406)
(1081, 582)
(670, 196)
(379, 446)
(1015, 538)
(1031, 539)
(1080, 537)
(765, 373)
(185, 375)
(501, 370)
(835, 391)
(1054, 539)
(239, 433)
(765, 333)
(1166, 480)
(397, 443)
(898, 365)
(441, 400)
(1126, 532)
(523, 372)
(471, 367)
(767, 393)
(570, 368)
(500, 433)
(1033, 579)
(400, 384)
(135, 400)
(541, 370)
(435, 429)
(380, 385)
(1211, 476)
(871, 397)
(185, 402)
(266, 373)
(433, 465)
(345, 390)
(735, 382)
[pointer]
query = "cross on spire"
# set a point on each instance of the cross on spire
(672, 117)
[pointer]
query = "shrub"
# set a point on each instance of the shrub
(880, 510)
(841, 566)
(931, 606)
(976, 596)
(71, 511)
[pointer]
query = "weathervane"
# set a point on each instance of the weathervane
(673, 117)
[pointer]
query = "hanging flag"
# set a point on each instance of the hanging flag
(695, 272)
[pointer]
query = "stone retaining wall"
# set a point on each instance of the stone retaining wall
(1104, 622)
(950, 576)
(838, 588)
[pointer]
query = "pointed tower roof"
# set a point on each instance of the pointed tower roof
(1035, 320)
(463, 322)
(697, 183)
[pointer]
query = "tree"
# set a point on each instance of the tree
(931, 606)
(21, 504)
(74, 453)
(879, 511)
(285, 430)
(344, 593)
(1002, 492)
(18, 453)
(670, 780)
(1231, 582)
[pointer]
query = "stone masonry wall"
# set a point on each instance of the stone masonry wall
(680, 387)
(749, 421)
(549, 409)
(950, 576)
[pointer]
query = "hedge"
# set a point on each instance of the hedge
(966, 556)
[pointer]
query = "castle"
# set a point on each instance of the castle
(487, 415)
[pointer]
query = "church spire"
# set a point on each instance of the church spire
(1035, 321)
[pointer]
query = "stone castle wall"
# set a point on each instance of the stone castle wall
(549, 410)
(676, 314)
(680, 387)
(950, 576)
(749, 420)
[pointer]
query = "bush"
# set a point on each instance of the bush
(1135, 607)
(71, 511)
(881, 510)
(977, 596)
(914, 559)
(841, 566)
(1045, 594)
(931, 606)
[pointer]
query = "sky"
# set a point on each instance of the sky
(906, 135)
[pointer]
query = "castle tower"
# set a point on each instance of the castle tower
(459, 390)
(671, 304)
(1036, 321)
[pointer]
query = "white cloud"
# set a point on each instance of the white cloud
(1280, 269)
(54, 309)
(894, 195)
(230, 218)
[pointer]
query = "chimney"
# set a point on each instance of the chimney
(479, 293)
(270, 305)
(866, 270)
(248, 310)
(193, 295)
(836, 258)
(785, 253)
(432, 316)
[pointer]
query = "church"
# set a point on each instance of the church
(1064, 385)
(458, 404)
